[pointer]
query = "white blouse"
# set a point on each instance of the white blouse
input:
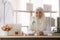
(39, 24)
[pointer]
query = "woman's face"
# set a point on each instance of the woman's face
(38, 14)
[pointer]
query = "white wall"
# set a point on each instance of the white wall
(8, 18)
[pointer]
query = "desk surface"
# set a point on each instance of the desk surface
(29, 36)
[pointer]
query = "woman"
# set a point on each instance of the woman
(39, 21)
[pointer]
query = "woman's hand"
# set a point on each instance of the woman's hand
(38, 32)
(34, 30)
(41, 33)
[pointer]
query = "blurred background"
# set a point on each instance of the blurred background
(20, 12)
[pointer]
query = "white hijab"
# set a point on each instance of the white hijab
(40, 24)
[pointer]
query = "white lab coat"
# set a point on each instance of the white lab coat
(8, 14)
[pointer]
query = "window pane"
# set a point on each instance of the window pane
(23, 18)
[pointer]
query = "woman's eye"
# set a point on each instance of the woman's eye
(36, 12)
(40, 12)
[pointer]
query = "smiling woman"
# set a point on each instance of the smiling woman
(24, 17)
(39, 21)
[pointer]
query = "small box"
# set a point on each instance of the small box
(29, 6)
(47, 7)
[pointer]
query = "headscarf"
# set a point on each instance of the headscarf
(41, 10)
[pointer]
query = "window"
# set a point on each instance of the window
(21, 5)
(24, 17)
